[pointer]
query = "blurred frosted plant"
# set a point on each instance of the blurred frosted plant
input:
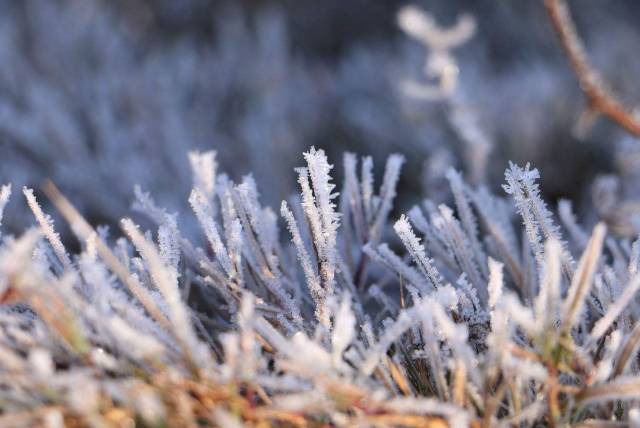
(440, 63)
(98, 98)
(442, 67)
(615, 197)
(87, 96)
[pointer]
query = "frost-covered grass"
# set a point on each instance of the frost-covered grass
(465, 318)
(474, 308)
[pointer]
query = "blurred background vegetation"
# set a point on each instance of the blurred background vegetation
(101, 95)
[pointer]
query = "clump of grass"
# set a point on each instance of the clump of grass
(470, 326)
(472, 312)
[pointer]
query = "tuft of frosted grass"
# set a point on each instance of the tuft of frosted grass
(333, 323)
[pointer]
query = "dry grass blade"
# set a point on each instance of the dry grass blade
(594, 423)
(627, 351)
(399, 377)
(408, 421)
(627, 389)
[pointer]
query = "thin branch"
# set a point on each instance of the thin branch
(599, 97)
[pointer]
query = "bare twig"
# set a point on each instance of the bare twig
(599, 97)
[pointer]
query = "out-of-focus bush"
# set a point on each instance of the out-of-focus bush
(97, 95)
